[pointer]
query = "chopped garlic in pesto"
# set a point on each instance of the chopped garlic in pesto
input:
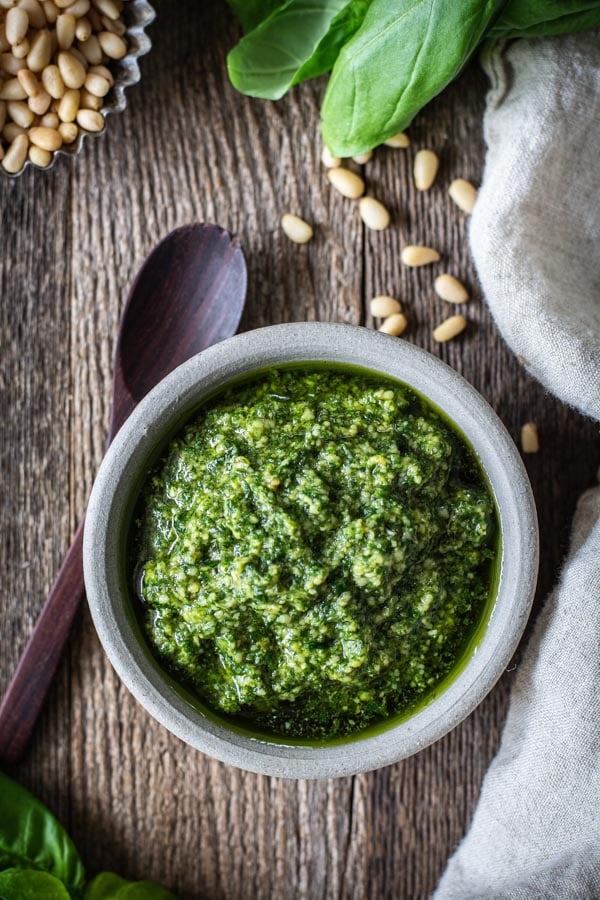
(313, 551)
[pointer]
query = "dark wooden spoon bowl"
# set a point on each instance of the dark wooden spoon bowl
(188, 295)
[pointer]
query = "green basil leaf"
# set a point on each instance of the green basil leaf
(536, 18)
(108, 886)
(267, 61)
(31, 838)
(29, 884)
(345, 24)
(252, 12)
(405, 52)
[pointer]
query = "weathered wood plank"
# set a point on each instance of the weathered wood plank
(136, 799)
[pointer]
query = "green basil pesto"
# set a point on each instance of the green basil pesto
(313, 551)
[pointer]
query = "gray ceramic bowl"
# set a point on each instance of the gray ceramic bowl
(146, 432)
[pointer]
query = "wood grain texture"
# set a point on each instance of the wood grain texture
(188, 148)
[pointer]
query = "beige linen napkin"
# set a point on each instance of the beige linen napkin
(535, 238)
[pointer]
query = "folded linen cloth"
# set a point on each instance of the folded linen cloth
(535, 238)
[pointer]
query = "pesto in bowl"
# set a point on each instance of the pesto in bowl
(313, 552)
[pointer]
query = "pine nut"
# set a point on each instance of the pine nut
(16, 25)
(69, 106)
(113, 45)
(11, 130)
(394, 324)
(373, 213)
(91, 50)
(383, 306)
(10, 63)
(89, 101)
(65, 30)
(39, 157)
(449, 329)
(450, 289)
(419, 256)
(96, 85)
(12, 89)
(464, 194)
(90, 120)
(425, 169)
(530, 442)
(68, 132)
(363, 158)
(116, 26)
(16, 154)
(346, 182)
(73, 73)
(83, 29)
(45, 138)
(400, 140)
(21, 50)
(41, 51)
(106, 73)
(50, 120)
(298, 231)
(79, 8)
(51, 11)
(35, 13)
(328, 160)
(20, 113)
(53, 82)
(40, 104)
(107, 8)
(29, 82)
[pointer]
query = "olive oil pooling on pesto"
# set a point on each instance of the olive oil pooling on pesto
(313, 551)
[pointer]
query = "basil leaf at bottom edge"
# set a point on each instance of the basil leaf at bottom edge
(108, 886)
(29, 884)
(31, 838)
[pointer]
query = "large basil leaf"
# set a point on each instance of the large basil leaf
(267, 62)
(405, 52)
(533, 18)
(252, 12)
(345, 24)
(31, 838)
(108, 886)
(29, 884)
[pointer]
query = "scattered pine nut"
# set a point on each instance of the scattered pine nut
(400, 140)
(383, 306)
(113, 45)
(363, 158)
(298, 231)
(348, 183)
(450, 289)
(530, 442)
(394, 324)
(464, 194)
(449, 329)
(16, 25)
(373, 213)
(425, 169)
(328, 160)
(419, 256)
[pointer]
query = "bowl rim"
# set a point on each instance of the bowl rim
(175, 398)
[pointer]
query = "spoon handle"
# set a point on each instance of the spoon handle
(29, 685)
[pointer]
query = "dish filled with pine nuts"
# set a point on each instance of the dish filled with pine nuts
(64, 66)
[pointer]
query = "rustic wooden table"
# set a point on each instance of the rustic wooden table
(188, 148)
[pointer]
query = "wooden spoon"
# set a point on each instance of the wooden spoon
(188, 295)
